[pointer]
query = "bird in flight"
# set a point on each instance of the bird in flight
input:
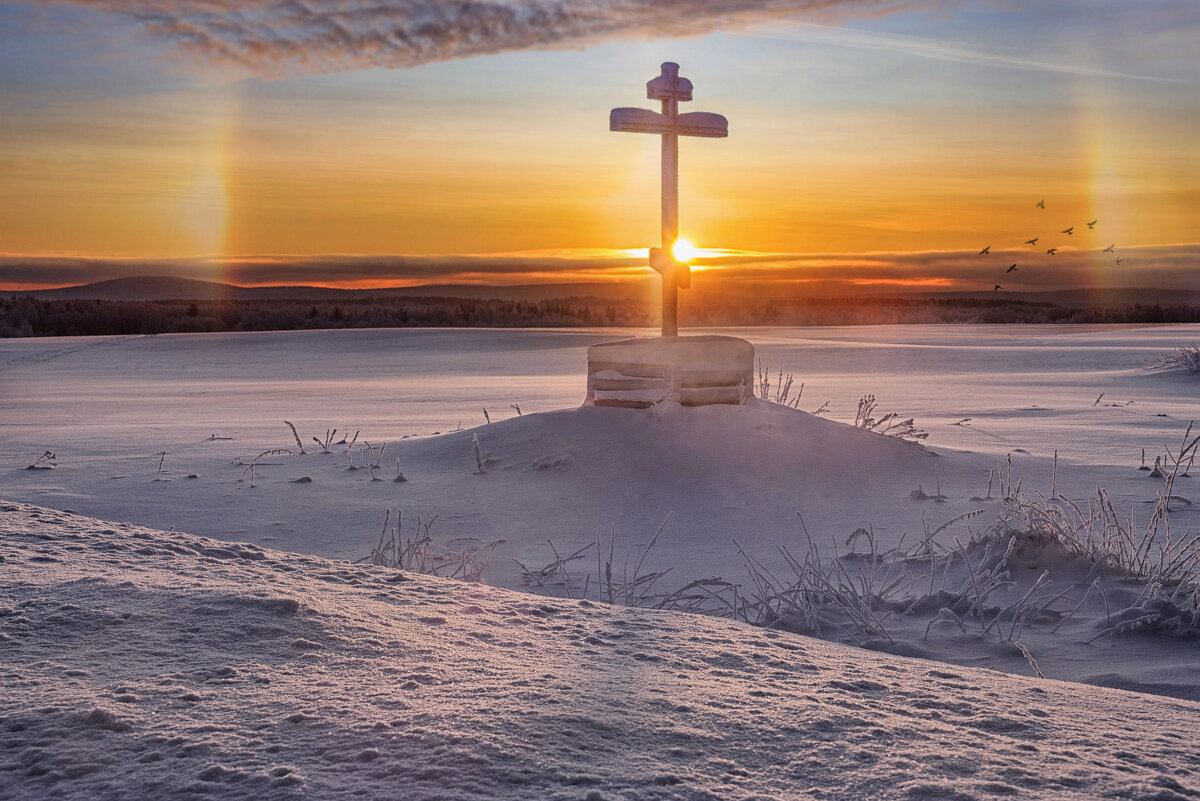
(1068, 231)
(1031, 241)
(1051, 251)
(1041, 204)
(1012, 268)
(986, 251)
(1092, 224)
(997, 286)
(1119, 260)
(1109, 249)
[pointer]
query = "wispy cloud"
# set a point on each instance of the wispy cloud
(935, 49)
(1161, 267)
(324, 35)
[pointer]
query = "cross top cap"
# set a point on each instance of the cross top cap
(668, 85)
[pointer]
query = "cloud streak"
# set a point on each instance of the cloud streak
(329, 35)
(940, 51)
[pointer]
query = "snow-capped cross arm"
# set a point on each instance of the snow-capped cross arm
(694, 123)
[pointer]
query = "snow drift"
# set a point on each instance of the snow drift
(142, 663)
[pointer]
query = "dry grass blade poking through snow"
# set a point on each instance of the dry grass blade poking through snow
(555, 574)
(478, 454)
(47, 461)
(325, 443)
(330, 433)
(299, 444)
(256, 461)
(369, 457)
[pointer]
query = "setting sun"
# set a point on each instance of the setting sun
(684, 250)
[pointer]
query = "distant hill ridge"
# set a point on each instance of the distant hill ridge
(158, 288)
(171, 288)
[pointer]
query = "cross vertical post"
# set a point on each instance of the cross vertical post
(670, 219)
(670, 88)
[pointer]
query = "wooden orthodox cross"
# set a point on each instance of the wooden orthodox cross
(670, 89)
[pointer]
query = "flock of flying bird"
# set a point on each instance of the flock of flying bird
(1069, 231)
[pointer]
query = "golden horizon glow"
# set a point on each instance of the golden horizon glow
(887, 152)
(1159, 266)
(902, 282)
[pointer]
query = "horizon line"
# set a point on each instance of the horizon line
(1166, 265)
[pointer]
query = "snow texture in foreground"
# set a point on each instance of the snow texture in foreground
(147, 664)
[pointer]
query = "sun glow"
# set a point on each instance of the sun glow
(684, 250)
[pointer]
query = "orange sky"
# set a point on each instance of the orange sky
(872, 140)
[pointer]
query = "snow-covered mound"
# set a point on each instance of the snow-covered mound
(150, 664)
(723, 471)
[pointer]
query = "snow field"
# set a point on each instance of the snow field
(998, 403)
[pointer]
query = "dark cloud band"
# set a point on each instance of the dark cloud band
(1162, 267)
(324, 35)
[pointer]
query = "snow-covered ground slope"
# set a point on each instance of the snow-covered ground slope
(160, 431)
(150, 664)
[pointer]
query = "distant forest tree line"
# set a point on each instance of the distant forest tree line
(26, 316)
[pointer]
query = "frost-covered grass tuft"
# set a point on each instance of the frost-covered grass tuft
(1164, 563)
(1152, 553)
(465, 558)
(1153, 614)
(890, 424)
(1182, 357)
(615, 584)
(782, 393)
(821, 596)
(1115, 545)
